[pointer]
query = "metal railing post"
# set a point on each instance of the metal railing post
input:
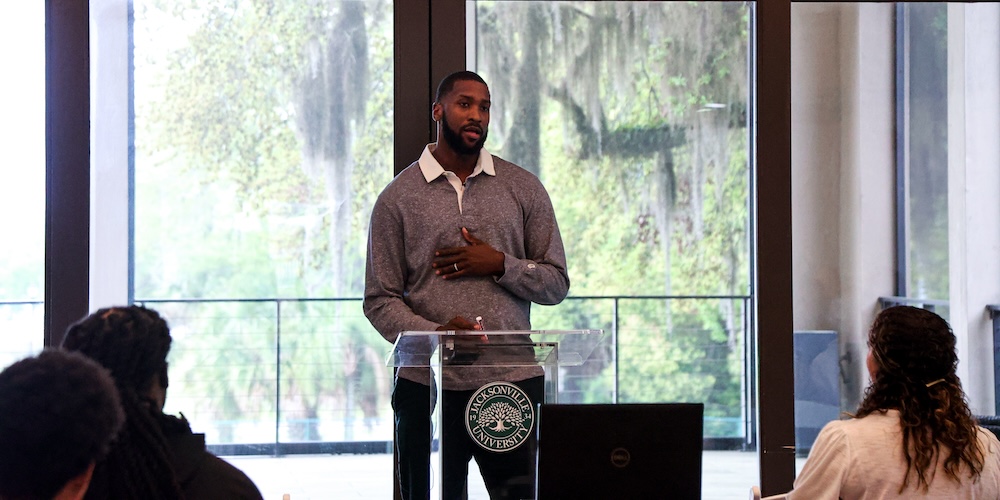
(750, 385)
(995, 316)
(277, 382)
(614, 342)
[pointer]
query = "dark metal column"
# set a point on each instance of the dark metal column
(67, 165)
(773, 215)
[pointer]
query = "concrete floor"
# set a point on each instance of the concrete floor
(725, 475)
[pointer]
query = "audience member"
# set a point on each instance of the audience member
(156, 455)
(59, 412)
(913, 434)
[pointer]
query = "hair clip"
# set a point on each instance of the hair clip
(936, 382)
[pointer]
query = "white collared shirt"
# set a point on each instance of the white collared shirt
(431, 169)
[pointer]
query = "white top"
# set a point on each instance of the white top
(862, 458)
(432, 169)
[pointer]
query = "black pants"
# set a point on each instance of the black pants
(507, 475)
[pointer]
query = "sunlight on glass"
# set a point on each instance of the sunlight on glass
(926, 127)
(263, 132)
(647, 116)
(634, 115)
(22, 179)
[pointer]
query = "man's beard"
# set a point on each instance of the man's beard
(457, 143)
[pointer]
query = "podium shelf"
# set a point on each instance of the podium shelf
(452, 348)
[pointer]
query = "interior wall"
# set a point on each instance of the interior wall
(842, 174)
(868, 183)
(816, 142)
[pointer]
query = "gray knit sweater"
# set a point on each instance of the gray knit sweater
(413, 217)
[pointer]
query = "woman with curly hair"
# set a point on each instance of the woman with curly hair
(156, 456)
(913, 434)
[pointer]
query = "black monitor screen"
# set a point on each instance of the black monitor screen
(597, 451)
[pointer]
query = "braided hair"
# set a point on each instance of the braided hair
(132, 343)
(914, 351)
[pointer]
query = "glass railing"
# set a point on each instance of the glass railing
(283, 376)
(293, 375)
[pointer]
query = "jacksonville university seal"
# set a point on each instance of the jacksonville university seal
(499, 416)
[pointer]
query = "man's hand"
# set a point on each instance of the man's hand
(461, 324)
(477, 258)
(458, 323)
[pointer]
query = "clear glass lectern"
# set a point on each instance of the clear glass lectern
(499, 416)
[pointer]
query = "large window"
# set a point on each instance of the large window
(261, 139)
(649, 120)
(254, 137)
(22, 179)
(263, 133)
(634, 115)
(923, 58)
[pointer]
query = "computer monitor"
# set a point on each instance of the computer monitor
(619, 451)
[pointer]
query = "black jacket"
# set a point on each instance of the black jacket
(201, 474)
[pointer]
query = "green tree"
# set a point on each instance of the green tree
(272, 105)
(645, 112)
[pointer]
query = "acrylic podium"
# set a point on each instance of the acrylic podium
(498, 415)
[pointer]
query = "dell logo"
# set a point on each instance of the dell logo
(620, 457)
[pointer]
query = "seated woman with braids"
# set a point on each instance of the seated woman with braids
(913, 435)
(156, 456)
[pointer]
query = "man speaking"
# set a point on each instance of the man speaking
(458, 235)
